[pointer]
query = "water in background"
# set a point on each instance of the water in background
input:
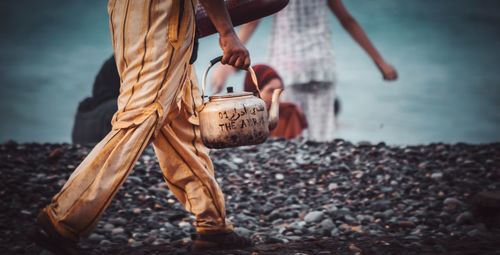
(446, 52)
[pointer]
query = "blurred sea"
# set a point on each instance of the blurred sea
(447, 54)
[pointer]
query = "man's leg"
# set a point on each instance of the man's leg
(76, 208)
(153, 43)
(189, 173)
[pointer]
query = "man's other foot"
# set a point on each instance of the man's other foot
(219, 241)
(48, 238)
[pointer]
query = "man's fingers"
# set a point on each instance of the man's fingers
(246, 64)
(232, 60)
(240, 60)
(225, 58)
(243, 62)
(236, 57)
(239, 63)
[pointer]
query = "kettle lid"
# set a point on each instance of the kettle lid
(230, 94)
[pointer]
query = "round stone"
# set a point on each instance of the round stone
(314, 216)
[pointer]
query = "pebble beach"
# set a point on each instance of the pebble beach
(290, 197)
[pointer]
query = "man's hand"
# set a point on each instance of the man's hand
(388, 72)
(234, 52)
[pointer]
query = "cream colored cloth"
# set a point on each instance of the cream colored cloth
(153, 42)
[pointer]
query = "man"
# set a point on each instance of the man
(153, 43)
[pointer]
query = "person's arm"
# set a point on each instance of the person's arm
(354, 29)
(234, 52)
(247, 30)
(221, 73)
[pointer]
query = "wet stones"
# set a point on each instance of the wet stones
(279, 192)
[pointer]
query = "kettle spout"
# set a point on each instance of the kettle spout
(274, 110)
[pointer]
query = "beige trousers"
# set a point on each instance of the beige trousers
(153, 42)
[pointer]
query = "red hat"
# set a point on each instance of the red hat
(264, 75)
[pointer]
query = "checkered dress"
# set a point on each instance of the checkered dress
(301, 46)
(302, 53)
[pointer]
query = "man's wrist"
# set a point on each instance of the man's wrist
(229, 31)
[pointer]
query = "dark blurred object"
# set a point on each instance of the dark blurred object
(55, 154)
(194, 53)
(291, 120)
(241, 11)
(336, 106)
(93, 117)
(487, 208)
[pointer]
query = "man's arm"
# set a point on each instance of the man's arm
(354, 29)
(222, 73)
(234, 52)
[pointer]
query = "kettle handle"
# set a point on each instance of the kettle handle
(212, 63)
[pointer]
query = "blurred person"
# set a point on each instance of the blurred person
(291, 119)
(301, 51)
(153, 45)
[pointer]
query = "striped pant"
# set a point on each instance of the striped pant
(153, 42)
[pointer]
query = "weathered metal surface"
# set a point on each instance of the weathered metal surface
(234, 121)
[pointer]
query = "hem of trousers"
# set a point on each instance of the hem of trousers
(227, 228)
(62, 229)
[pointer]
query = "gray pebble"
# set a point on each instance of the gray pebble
(437, 176)
(334, 232)
(314, 216)
(117, 231)
(464, 218)
(327, 225)
(243, 231)
(119, 221)
(451, 203)
(96, 237)
(108, 226)
(105, 243)
(299, 225)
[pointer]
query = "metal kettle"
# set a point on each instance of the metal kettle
(236, 118)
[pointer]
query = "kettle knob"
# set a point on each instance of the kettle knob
(229, 90)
